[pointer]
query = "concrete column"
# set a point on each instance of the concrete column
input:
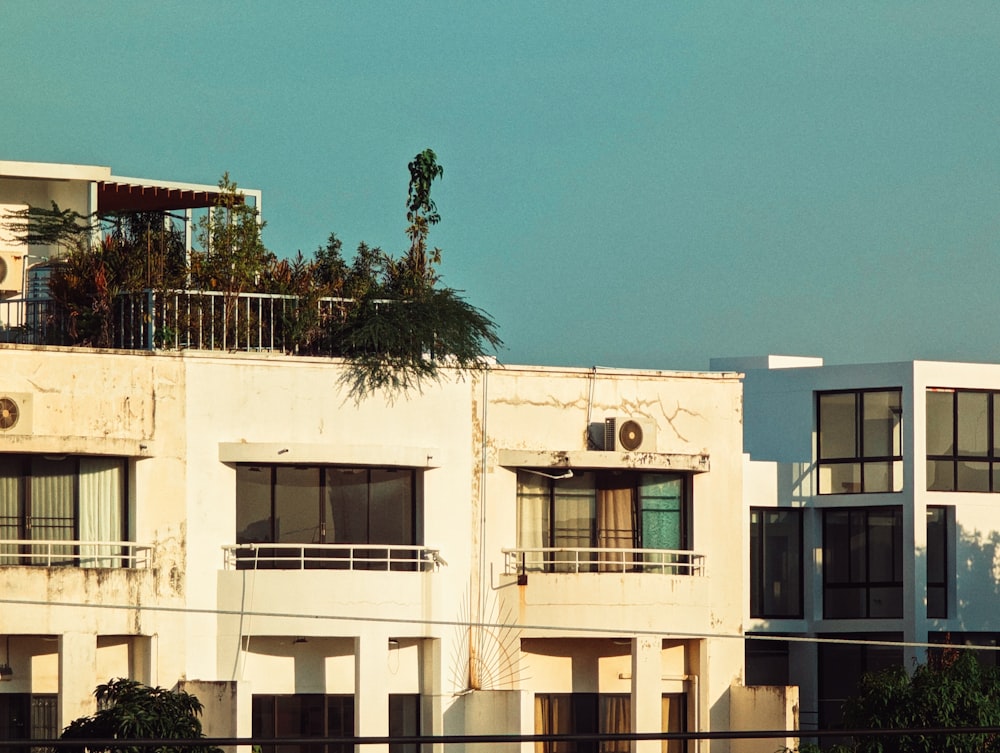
(77, 676)
(646, 704)
(431, 713)
(371, 681)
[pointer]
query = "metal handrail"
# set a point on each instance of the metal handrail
(565, 559)
(268, 556)
(74, 553)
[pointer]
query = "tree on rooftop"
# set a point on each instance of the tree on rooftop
(129, 710)
(404, 326)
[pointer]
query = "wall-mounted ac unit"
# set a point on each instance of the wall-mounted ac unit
(11, 271)
(622, 433)
(15, 414)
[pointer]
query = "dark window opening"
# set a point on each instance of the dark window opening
(775, 562)
(371, 508)
(863, 562)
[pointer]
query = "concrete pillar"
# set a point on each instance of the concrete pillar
(646, 704)
(77, 676)
(371, 682)
(431, 713)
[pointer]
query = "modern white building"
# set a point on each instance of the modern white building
(872, 517)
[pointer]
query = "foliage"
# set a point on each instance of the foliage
(952, 690)
(388, 317)
(38, 226)
(130, 710)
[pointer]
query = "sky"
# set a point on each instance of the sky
(637, 184)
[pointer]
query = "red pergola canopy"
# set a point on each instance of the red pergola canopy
(129, 197)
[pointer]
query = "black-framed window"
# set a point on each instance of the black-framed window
(775, 562)
(303, 715)
(937, 562)
(863, 562)
(404, 721)
(859, 445)
(327, 504)
(28, 716)
(73, 498)
(841, 666)
(603, 510)
(766, 660)
(963, 440)
(600, 713)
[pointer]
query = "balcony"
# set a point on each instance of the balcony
(602, 560)
(83, 554)
(267, 556)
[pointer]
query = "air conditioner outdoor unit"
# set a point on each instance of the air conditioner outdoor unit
(15, 413)
(11, 271)
(622, 433)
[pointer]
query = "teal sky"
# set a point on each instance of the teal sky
(626, 184)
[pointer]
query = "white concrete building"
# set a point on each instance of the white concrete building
(478, 558)
(871, 515)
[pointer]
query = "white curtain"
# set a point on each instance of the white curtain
(101, 482)
(10, 508)
(532, 518)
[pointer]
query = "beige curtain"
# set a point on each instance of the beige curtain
(553, 716)
(674, 720)
(616, 716)
(615, 522)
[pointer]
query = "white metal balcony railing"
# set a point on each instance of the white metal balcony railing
(63, 553)
(602, 560)
(395, 557)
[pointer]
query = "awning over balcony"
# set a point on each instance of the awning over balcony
(587, 459)
(125, 195)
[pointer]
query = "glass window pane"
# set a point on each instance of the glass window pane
(661, 502)
(837, 429)
(347, 505)
(391, 514)
(404, 721)
(885, 559)
(253, 504)
(878, 477)
(782, 554)
(53, 508)
(941, 475)
(839, 478)
(972, 476)
(842, 602)
(836, 544)
(102, 486)
(880, 421)
(11, 506)
(972, 423)
(885, 601)
(574, 511)
(296, 505)
(940, 423)
(673, 715)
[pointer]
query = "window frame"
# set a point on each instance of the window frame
(265, 721)
(863, 583)
(958, 459)
(937, 607)
(553, 491)
(322, 503)
(24, 521)
(860, 456)
(759, 570)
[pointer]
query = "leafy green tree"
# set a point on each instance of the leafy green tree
(234, 260)
(952, 690)
(130, 710)
(38, 226)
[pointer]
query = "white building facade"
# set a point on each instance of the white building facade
(486, 556)
(872, 518)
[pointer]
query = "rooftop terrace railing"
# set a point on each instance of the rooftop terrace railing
(180, 319)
